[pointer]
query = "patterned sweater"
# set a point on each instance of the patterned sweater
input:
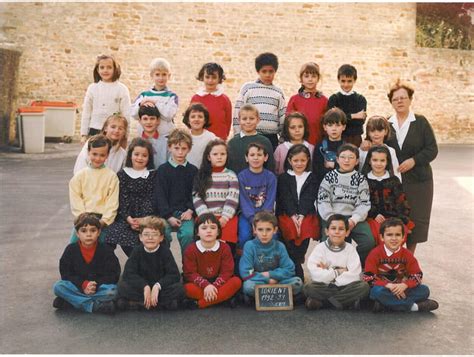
(257, 192)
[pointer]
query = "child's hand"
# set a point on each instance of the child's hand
(174, 222)
(147, 103)
(133, 222)
(272, 281)
(365, 145)
(359, 116)
(352, 224)
(406, 165)
(322, 265)
(83, 139)
(266, 274)
(186, 215)
(379, 218)
(329, 164)
(223, 221)
(90, 288)
(210, 293)
(155, 292)
(147, 297)
(340, 270)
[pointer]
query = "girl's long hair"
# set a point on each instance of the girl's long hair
(295, 150)
(144, 144)
(117, 116)
(379, 149)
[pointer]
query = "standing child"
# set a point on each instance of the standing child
(310, 102)
(135, 196)
(149, 119)
(296, 193)
(214, 99)
(196, 118)
(107, 95)
(208, 266)
(216, 190)
(387, 197)
(295, 131)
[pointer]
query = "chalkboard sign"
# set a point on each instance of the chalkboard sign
(273, 297)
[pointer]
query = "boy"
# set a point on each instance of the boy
(268, 98)
(249, 119)
(351, 103)
(95, 188)
(346, 191)
(89, 270)
(151, 277)
(265, 259)
(335, 270)
(150, 121)
(159, 96)
(173, 199)
(394, 273)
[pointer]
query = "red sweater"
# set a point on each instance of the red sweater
(313, 108)
(210, 267)
(400, 267)
(220, 113)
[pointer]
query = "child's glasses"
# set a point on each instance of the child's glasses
(151, 235)
(344, 157)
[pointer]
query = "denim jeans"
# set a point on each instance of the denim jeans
(185, 234)
(386, 298)
(295, 282)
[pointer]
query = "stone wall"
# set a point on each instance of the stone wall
(59, 43)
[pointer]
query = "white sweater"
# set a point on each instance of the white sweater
(199, 144)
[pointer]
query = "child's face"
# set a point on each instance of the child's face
(264, 231)
(211, 80)
(393, 238)
(309, 81)
(208, 232)
(97, 156)
(347, 160)
(196, 120)
(218, 156)
(140, 157)
(346, 83)
(106, 69)
(151, 238)
(266, 74)
(378, 163)
(179, 152)
(296, 129)
(149, 124)
(88, 235)
(299, 162)
(248, 121)
(334, 131)
(337, 232)
(256, 158)
(160, 77)
(115, 130)
(377, 136)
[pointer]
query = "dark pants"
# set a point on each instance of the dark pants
(166, 296)
(339, 296)
(93, 131)
(297, 255)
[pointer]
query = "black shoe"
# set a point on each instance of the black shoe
(104, 307)
(190, 304)
(299, 299)
(427, 305)
(171, 306)
(378, 307)
(60, 303)
(122, 304)
(313, 304)
(232, 302)
(249, 301)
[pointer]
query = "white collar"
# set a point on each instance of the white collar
(215, 248)
(151, 251)
(242, 134)
(134, 174)
(389, 252)
(371, 176)
(347, 93)
(303, 175)
(394, 120)
(202, 91)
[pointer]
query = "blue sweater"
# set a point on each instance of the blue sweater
(257, 192)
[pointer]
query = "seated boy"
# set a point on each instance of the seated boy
(151, 277)
(335, 270)
(89, 270)
(95, 188)
(173, 195)
(149, 119)
(394, 274)
(265, 259)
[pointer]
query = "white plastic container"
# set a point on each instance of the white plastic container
(31, 124)
(60, 118)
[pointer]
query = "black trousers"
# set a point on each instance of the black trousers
(167, 294)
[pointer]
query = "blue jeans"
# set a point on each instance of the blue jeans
(295, 282)
(69, 292)
(185, 234)
(386, 298)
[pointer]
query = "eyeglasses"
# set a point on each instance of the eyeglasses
(343, 157)
(150, 235)
(399, 99)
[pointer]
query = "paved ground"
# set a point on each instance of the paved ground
(36, 222)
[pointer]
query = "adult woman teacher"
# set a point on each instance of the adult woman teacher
(414, 141)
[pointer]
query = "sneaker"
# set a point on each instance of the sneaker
(122, 304)
(378, 307)
(104, 307)
(427, 305)
(313, 304)
(60, 303)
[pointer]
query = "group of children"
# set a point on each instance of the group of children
(244, 211)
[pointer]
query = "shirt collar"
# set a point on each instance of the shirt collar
(202, 91)
(95, 168)
(303, 175)
(371, 176)
(151, 251)
(155, 135)
(389, 252)
(175, 164)
(242, 134)
(347, 93)
(411, 117)
(215, 248)
(134, 174)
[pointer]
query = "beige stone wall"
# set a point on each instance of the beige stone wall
(59, 43)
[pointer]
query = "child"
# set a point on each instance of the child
(105, 96)
(115, 129)
(216, 190)
(150, 122)
(386, 192)
(295, 131)
(378, 129)
(196, 118)
(296, 193)
(208, 266)
(394, 274)
(173, 189)
(95, 188)
(238, 145)
(268, 98)
(135, 196)
(265, 259)
(324, 155)
(214, 99)
(353, 104)
(159, 96)
(257, 190)
(335, 270)
(89, 270)
(309, 101)
(345, 191)
(151, 277)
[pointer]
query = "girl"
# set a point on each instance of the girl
(386, 192)
(135, 196)
(296, 193)
(115, 129)
(213, 97)
(196, 118)
(216, 190)
(295, 131)
(208, 266)
(377, 131)
(103, 97)
(309, 101)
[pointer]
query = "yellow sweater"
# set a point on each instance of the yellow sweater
(95, 190)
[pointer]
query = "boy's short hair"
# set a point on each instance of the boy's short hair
(391, 222)
(348, 147)
(347, 70)
(311, 68)
(399, 85)
(87, 219)
(98, 141)
(249, 108)
(334, 116)
(159, 63)
(179, 135)
(210, 68)
(152, 222)
(196, 107)
(117, 70)
(266, 59)
(265, 216)
(338, 217)
(207, 217)
(258, 146)
(150, 111)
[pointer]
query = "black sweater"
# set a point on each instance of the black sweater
(287, 198)
(350, 104)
